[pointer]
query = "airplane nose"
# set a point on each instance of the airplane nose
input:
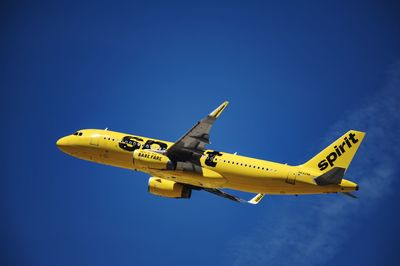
(62, 142)
(66, 144)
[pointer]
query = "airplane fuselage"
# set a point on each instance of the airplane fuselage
(215, 170)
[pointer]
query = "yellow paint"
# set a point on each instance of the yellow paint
(217, 112)
(167, 188)
(231, 171)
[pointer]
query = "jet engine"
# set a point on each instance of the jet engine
(170, 189)
(151, 159)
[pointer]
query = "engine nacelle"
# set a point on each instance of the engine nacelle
(150, 159)
(170, 189)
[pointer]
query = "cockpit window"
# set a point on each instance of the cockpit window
(77, 133)
(80, 133)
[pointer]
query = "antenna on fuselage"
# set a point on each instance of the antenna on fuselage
(106, 128)
(235, 153)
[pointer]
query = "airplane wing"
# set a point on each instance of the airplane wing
(191, 146)
(255, 200)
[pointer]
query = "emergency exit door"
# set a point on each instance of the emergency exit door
(291, 177)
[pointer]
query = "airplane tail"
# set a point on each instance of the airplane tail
(338, 155)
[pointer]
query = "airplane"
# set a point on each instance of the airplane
(177, 168)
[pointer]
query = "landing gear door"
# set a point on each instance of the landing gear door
(291, 177)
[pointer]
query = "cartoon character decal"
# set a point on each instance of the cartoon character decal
(155, 145)
(131, 143)
(211, 155)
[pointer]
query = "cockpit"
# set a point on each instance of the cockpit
(78, 133)
(76, 143)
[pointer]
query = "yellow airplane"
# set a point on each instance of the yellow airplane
(178, 168)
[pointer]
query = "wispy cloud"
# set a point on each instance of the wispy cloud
(314, 237)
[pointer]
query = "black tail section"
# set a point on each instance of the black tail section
(332, 177)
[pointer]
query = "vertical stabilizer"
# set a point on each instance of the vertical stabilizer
(338, 154)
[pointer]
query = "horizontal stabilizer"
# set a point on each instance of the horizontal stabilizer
(350, 195)
(255, 200)
(332, 177)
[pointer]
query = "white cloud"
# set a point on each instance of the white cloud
(314, 236)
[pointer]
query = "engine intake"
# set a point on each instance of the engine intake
(170, 189)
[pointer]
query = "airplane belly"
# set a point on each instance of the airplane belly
(278, 185)
(207, 178)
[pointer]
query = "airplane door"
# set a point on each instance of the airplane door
(94, 140)
(291, 177)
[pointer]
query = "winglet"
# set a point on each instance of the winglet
(216, 113)
(256, 199)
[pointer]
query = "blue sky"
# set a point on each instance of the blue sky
(297, 76)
